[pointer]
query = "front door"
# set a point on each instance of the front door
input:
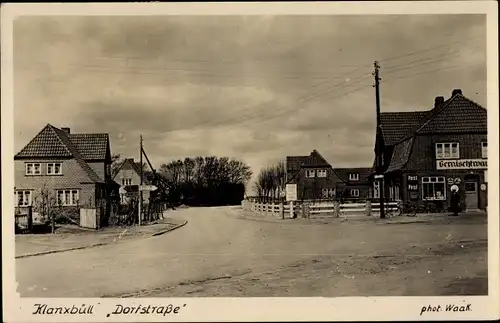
(471, 196)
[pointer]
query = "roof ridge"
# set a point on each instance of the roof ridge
(91, 174)
(56, 130)
(434, 115)
(472, 101)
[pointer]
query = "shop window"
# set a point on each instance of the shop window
(448, 150)
(433, 188)
(484, 149)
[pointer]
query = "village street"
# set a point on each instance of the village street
(219, 254)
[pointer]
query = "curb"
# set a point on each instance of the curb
(168, 230)
(93, 245)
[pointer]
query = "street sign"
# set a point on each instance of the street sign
(291, 192)
(147, 188)
(380, 176)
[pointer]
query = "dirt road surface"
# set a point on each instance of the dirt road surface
(219, 254)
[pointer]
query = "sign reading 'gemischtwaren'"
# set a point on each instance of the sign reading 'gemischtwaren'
(462, 164)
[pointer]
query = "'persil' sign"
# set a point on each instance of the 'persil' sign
(462, 164)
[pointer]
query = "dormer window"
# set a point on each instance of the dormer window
(126, 181)
(310, 173)
(354, 177)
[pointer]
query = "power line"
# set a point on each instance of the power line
(426, 49)
(418, 65)
(423, 73)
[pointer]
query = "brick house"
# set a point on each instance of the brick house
(355, 183)
(427, 152)
(128, 174)
(314, 176)
(73, 170)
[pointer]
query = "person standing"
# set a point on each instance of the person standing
(455, 201)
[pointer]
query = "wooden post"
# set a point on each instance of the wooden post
(291, 209)
(282, 210)
(30, 219)
(368, 208)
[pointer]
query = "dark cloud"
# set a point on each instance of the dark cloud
(258, 88)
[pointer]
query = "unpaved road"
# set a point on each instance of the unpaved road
(218, 254)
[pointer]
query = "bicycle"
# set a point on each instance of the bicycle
(408, 209)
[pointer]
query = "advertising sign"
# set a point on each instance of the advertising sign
(462, 164)
(291, 192)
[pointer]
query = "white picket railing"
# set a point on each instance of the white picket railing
(317, 210)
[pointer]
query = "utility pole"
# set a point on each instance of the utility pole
(380, 158)
(140, 190)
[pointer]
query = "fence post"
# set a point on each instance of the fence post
(282, 210)
(291, 210)
(368, 208)
(272, 209)
(30, 218)
(336, 209)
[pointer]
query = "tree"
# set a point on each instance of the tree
(271, 181)
(207, 180)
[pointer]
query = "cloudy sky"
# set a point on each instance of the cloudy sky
(257, 88)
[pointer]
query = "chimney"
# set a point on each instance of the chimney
(438, 101)
(456, 91)
(66, 130)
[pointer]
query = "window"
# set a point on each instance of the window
(67, 197)
(325, 193)
(447, 150)
(433, 188)
(354, 177)
(33, 169)
(23, 198)
(54, 169)
(126, 181)
(310, 173)
(355, 192)
(321, 172)
(484, 149)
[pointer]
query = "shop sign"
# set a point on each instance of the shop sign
(451, 181)
(412, 187)
(414, 195)
(458, 180)
(483, 187)
(291, 192)
(412, 178)
(462, 164)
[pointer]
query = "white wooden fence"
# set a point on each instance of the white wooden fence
(319, 210)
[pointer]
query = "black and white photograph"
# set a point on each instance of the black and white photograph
(156, 157)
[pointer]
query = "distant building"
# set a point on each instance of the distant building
(427, 152)
(128, 174)
(314, 176)
(73, 170)
(355, 183)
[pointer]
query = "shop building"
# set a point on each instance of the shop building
(425, 153)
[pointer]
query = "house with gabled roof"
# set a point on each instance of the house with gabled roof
(75, 169)
(314, 176)
(425, 153)
(355, 184)
(128, 174)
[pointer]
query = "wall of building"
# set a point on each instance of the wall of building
(423, 156)
(71, 178)
(312, 188)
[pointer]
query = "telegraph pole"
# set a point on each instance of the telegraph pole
(380, 159)
(140, 190)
